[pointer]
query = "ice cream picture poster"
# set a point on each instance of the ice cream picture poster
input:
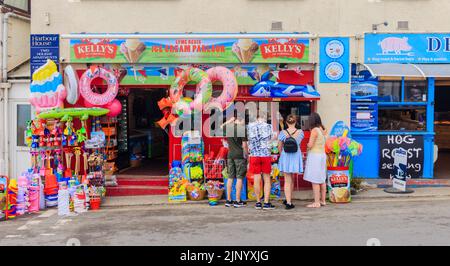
(189, 50)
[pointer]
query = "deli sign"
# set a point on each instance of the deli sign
(415, 48)
(95, 48)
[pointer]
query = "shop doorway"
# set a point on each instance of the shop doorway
(146, 153)
(442, 130)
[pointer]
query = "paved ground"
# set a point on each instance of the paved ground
(421, 221)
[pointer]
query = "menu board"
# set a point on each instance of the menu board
(413, 144)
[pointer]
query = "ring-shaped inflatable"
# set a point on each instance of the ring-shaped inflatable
(203, 90)
(230, 87)
(71, 84)
(96, 98)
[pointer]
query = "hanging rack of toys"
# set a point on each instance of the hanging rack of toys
(67, 157)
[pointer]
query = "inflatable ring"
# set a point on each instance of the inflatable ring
(203, 91)
(71, 84)
(230, 87)
(72, 112)
(95, 98)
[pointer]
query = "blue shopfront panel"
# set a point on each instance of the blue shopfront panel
(428, 149)
(366, 165)
(233, 189)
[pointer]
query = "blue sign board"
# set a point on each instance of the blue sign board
(364, 87)
(423, 48)
(334, 60)
(43, 47)
(364, 116)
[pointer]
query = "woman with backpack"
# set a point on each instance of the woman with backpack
(291, 161)
(316, 162)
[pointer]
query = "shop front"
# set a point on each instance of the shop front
(399, 101)
(274, 70)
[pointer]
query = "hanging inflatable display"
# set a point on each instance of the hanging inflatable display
(269, 88)
(73, 112)
(96, 98)
(47, 89)
(230, 87)
(107, 99)
(71, 84)
(183, 106)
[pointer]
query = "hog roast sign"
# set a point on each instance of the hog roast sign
(238, 51)
(411, 144)
(420, 48)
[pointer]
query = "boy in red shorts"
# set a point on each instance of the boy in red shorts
(259, 135)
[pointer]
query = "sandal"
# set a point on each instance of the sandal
(313, 205)
(323, 203)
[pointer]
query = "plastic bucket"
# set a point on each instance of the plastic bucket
(338, 184)
(95, 203)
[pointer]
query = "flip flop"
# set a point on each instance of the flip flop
(313, 205)
(323, 204)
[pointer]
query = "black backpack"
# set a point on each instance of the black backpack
(290, 145)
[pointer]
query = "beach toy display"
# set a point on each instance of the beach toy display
(215, 191)
(230, 87)
(108, 98)
(203, 91)
(3, 196)
(11, 200)
(47, 89)
(177, 183)
(177, 105)
(340, 150)
(269, 88)
(71, 84)
(196, 191)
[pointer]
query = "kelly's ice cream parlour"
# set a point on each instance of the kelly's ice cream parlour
(169, 82)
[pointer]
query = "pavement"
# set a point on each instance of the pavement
(375, 221)
(304, 195)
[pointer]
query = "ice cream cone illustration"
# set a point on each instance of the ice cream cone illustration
(132, 49)
(245, 49)
(341, 194)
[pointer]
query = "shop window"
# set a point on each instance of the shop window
(416, 91)
(389, 91)
(402, 119)
(20, 5)
(23, 116)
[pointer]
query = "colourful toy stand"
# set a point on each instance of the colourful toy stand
(4, 183)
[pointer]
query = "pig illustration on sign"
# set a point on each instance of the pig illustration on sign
(394, 44)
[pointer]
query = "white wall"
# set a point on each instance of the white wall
(324, 17)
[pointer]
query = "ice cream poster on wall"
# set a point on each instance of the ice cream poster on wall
(334, 60)
(414, 48)
(135, 50)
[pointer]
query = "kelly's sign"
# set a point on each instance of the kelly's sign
(89, 49)
(240, 51)
(422, 48)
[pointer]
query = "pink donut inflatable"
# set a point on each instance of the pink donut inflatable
(230, 87)
(95, 98)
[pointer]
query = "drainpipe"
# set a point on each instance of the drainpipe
(5, 84)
